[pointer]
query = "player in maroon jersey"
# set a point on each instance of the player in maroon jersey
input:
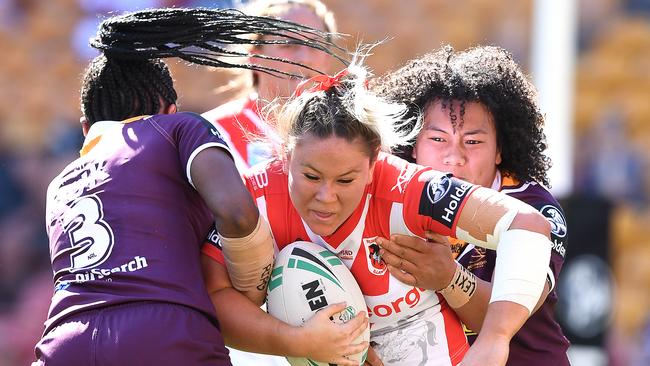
(334, 184)
(482, 124)
(126, 220)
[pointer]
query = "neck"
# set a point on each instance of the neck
(496, 183)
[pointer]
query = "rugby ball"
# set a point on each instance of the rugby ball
(306, 278)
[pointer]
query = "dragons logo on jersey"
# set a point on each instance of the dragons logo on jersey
(376, 264)
(554, 216)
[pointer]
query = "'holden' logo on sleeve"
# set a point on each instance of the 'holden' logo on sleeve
(441, 199)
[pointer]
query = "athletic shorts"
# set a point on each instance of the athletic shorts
(140, 333)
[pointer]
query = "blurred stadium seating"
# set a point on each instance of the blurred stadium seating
(40, 71)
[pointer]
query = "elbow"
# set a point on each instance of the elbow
(256, 297)
(540, 224)
(532, 220)
(238, 221)
(244, 220)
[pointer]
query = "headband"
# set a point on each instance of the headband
(322, 82)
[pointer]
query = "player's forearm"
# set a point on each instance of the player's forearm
(249, 328)
(473, 312)
(502, 320)
(520, 235)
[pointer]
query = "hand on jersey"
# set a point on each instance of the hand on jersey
(416, 262)
(326, 341)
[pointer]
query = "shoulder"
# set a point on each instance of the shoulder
(228, 110)
(532, 193)
(537, 196)
(266, 178)
(179, 118)
(182, 122)
(393, 174)
(543, 200)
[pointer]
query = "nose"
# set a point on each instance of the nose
(326, 193)
(455, 156)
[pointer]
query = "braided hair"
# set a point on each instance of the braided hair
(129, 79)
(487, 75)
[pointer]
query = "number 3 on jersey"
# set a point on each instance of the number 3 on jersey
(90, 236)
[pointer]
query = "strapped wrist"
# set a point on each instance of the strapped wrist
(461, 288)
(250, 259)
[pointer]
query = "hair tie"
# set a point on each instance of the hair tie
(323, 82)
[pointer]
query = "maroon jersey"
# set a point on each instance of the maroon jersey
(540, 341)
(124, 220)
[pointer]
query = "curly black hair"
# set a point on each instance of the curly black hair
(487, 75)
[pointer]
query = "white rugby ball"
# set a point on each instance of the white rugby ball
(307, 277)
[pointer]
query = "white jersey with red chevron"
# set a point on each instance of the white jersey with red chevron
(409, 325)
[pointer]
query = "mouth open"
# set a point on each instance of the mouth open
(322, 215)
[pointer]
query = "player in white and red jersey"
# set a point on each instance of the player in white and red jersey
(482, 124)
(396, 188)
(240, 121)
(334, 187)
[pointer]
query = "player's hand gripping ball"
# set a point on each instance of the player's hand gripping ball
(306, 278)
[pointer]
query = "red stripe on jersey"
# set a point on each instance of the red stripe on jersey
(456, 340)
(214, 253)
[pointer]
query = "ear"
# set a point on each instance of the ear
(85, 126)
(171, 109)
(287, 161)
(371, 171)
(498, 157)
(413, 154)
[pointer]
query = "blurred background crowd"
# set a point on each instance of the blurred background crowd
(607, 209)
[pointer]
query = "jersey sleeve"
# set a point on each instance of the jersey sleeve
(193, 134)
(559, 237)
(212, 246)
(433, 201)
